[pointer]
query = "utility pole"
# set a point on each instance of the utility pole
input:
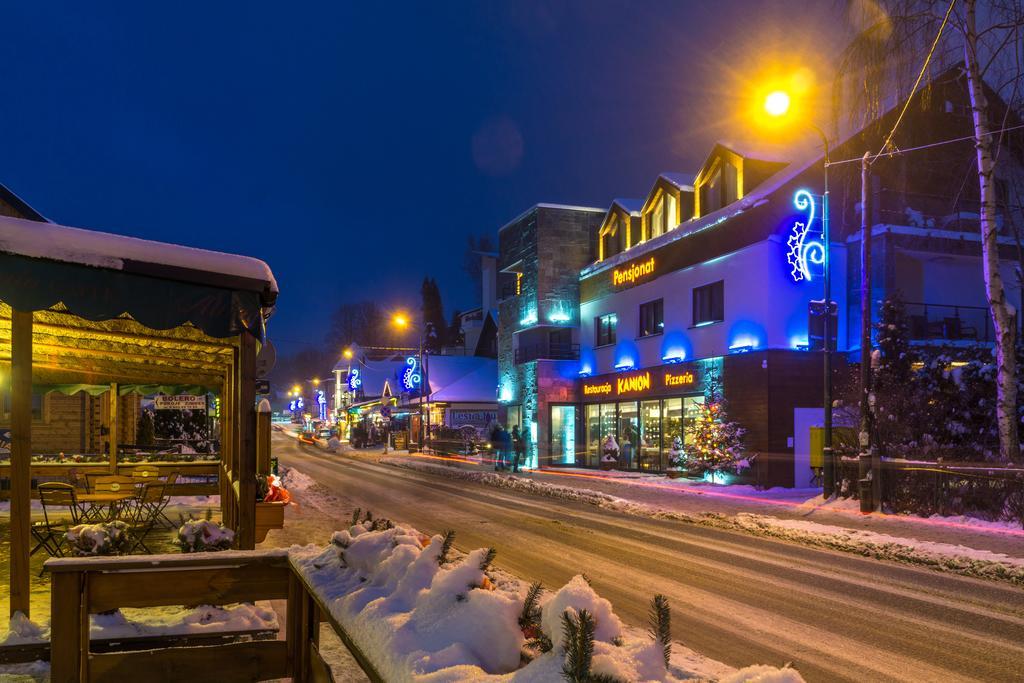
(828, 473)
(866, 466)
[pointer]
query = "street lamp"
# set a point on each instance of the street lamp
(777, 105)
(401, 321)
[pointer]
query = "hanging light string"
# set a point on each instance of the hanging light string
(896, 152)
(924, 68)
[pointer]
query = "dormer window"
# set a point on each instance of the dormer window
(720, 187)
(613, 237)
(662, 216)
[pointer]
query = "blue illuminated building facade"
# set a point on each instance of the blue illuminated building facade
(716, 278)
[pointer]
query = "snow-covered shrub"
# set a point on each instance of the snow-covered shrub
(677, 456)
(417, 617)
(106, 538)
(197, 536)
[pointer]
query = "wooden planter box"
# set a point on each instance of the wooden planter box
(268, 516)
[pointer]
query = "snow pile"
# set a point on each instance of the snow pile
(197, 536)
(294, 480)
(941, 556)
(421, 612)
(22, 630)
(167, 621)
(947, 557)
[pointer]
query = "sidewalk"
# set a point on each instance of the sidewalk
(798, 509)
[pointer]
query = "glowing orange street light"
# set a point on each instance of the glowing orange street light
(400, 320)
(297, 389)
(316, 381)
(347, 353)
(776, 103)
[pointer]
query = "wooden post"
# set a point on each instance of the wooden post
(114, 425)
(21, 458)
(263, 438)
(66, 633)
(246, 455)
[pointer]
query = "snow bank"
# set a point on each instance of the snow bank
(167, 621)
(948, 557)
(419, 616)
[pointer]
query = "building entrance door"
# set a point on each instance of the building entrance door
(563, 435)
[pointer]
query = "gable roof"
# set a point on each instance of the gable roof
(630, 206)
(684, 181)
(19, 204)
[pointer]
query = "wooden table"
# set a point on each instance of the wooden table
(98, 501)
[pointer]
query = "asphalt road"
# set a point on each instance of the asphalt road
(736, 598)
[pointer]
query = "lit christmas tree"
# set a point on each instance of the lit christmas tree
(717, 443)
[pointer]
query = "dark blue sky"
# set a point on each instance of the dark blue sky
(353, 146)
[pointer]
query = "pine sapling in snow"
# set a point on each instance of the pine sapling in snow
(530, 620)
(661, 625)
(355, 516)
(578, 634)
(485, 563)
(446, 546)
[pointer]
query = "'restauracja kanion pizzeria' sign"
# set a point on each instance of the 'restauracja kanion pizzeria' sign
(669, 379)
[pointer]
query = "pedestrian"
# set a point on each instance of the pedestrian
(518, 448)
(505, 441)
(495, 437)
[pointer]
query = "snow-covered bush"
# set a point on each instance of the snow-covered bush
(422, 611)
(106, 538)
(676, 456)
(197, 536)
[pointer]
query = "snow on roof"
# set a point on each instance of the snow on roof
(106, 250)
(478, 385)
(564, 207)
(756, 198)
(630, 205)
(684, 181)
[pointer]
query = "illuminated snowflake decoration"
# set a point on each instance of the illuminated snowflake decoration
(802, 251)
(410, 377)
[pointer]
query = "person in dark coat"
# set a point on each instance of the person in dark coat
(518, 448)
(495, 438)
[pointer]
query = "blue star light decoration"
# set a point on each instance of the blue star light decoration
(803, 252)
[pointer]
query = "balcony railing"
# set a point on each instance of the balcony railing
(948, 323)
(934, 212)
(549, 351)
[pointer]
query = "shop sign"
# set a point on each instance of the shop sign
(182, 402)
(632, 272)
(633, 383)
(679, 379)
(666, 380)
(478, 419)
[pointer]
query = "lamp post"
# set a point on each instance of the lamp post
(776, 104)
(401, 321)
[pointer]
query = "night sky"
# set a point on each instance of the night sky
(353, 146)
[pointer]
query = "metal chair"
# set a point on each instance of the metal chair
(146, 510)
(49, 533)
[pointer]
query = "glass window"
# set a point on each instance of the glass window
(629, 434)
(563, 435)
(593, 435)
(656, 219)
(670, 212)
(515, 417)
(605, 329)
(652, 318)
(607, 424)
(709, 303)
(673, 422)
(650, 436)
(691, 413)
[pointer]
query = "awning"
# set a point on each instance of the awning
(99, 276)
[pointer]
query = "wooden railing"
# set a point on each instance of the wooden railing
(86, 586)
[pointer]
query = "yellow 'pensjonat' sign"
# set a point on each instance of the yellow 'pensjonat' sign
(632, 272)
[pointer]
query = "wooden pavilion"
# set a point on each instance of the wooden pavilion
(79, 307)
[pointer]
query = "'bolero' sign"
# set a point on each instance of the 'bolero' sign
(666, 380)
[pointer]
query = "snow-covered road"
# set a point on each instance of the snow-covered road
(737, 598)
